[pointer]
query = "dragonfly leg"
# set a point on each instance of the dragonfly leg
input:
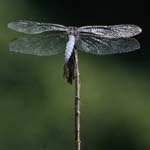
(69, 69)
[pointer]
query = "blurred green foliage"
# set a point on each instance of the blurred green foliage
(37, 105)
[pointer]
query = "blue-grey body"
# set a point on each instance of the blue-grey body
(69, 47)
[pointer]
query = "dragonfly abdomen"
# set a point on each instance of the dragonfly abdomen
(69, 47)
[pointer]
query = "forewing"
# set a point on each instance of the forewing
(115, 31)
(31, 27)
(104, 46)
(41, 44)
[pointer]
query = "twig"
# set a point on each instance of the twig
(77, 102)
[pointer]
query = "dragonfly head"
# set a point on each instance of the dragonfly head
(73, 30)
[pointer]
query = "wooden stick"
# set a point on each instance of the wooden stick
(77, 103)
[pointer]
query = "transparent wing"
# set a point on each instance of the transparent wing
(115, 31)
(31, 27)
(41, 44)
(104, 46)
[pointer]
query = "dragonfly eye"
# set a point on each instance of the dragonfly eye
(72, 30)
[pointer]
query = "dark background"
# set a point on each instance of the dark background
(37, 105)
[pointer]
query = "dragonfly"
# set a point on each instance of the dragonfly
(45, 39)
